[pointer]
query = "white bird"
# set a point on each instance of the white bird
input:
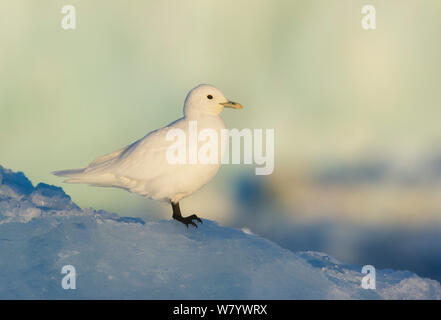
(142, 167)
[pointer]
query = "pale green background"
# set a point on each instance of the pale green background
(332, 91)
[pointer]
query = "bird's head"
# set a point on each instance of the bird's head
(207, 100)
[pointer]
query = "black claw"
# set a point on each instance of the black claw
(189, 220)
(185, 220)
(195, 217)
(194, 224)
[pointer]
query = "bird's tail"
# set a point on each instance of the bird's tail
(74, 175)
(87, 176)
(95, 173)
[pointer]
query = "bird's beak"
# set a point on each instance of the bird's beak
(231, 104)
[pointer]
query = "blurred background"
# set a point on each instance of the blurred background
(356, 112)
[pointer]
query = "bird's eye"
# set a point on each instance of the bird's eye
(210, 96)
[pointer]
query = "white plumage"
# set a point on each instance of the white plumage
(142, 166)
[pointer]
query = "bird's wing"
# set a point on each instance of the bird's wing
(142, 160)
(146, 158)
(107, 157)
(101, 161)
(93, 166)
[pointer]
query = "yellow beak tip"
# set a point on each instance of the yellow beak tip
(233, 105)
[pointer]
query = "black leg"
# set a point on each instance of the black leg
(185, 220)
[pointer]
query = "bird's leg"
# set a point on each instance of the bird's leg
(185, 220)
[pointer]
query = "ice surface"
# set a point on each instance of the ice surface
(41, 230)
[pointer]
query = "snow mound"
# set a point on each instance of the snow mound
(42, 230)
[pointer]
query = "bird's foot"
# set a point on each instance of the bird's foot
(188, 220)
